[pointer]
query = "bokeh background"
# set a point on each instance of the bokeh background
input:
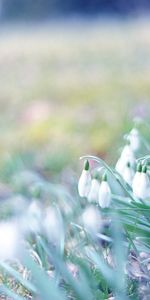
(73, 76)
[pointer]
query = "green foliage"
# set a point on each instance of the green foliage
(111, 263)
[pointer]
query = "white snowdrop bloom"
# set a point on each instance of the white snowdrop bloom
(92, 220)
(34, 209)
(104, 193)
(134, 139)
(9, 240)
(137, 179)
(127, 156)
(84, 183)
(94, 190)
(128, 174)
(32, 219)
(120, 165)
(127, 151)
(53, 226)
(141, 184)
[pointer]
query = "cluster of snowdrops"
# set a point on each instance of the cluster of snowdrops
(64, 225)
(130, 168)
(134, 174)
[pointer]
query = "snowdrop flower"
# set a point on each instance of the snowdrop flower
(53, 226)
(9, 240)
(127, 156)
(128, 174)
(91, 220)
(134, 139)
(104, 193)
(32, 219)
(84, 184)
(142, 187)
(94, 190)
(120, 165)
(127, 151)
(137, 179)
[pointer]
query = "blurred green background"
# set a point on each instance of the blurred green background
(71, 87)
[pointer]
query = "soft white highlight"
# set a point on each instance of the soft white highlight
(31, 221)
(91, 220)
(53, 225)
(134, 139)
(9, 240)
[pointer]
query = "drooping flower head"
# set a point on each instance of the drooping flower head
(94, 190)
(127, 156)
(84, 183)
(128, 174)
(104, 193)
(134, 138)
(141, 183)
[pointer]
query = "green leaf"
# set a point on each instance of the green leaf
(46, 286)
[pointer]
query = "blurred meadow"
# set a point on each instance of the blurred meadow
(71, 87)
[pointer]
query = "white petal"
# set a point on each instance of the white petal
(127, 156)
(127, 151)
(141, 185)
(128, 175)
(136, 179)
(144, 186)
(104, 195)
(92, 219)
(134, 139)
(53, 225)
(34, 209)
(94, 191)
(84, 184)
(136, 183)
(32, 219)
(120, 165)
